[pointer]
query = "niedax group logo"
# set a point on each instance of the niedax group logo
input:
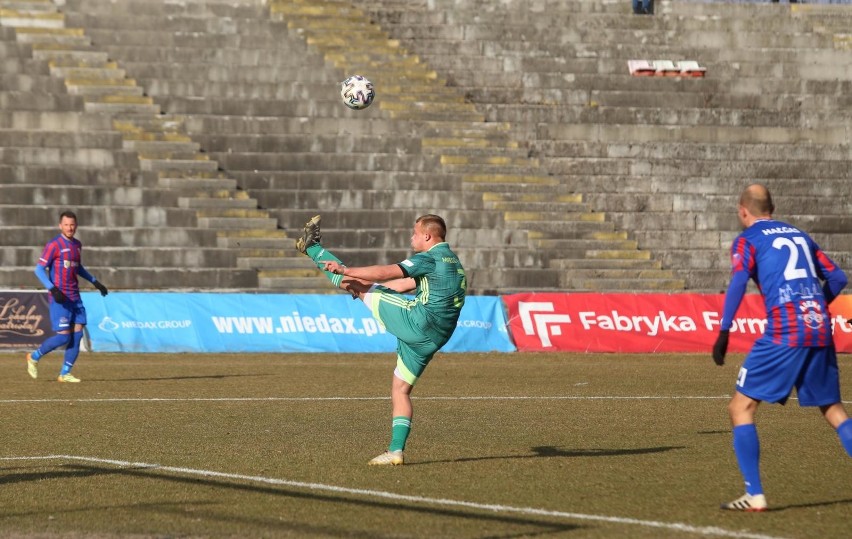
(538, 319)
(107, 325)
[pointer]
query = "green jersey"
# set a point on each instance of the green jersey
(440, 290)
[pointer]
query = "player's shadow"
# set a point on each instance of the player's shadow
(27, 477)
(552, 451)
(161, 378)
(810, 505)
(534, 526)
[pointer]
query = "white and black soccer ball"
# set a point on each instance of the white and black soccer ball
(357, 92)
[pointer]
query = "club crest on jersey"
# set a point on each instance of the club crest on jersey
(811, 314)
(69, 263)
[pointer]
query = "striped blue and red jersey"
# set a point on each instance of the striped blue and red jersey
(62, 258)
(796, 278)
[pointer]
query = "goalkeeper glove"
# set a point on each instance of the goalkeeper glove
(721, 347)
(58, 296)
(103, 290)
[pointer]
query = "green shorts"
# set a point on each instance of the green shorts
(414, 348)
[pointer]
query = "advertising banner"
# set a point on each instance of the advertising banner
(482, 327)
(207, 322)
(841, 319)
(644, 322)
(24, 319)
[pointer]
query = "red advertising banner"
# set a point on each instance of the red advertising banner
(644, 322)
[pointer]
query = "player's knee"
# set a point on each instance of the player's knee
(401, 386)
(741, 412)
(735, 408)
(732, 411)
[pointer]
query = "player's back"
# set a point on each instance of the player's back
(787, 265)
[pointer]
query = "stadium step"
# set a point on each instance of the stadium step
(124, 258)
(307, 281)
(85, 195)
(484, 281)
(253, 239)
(572, 264)
(115, 236)
(375, 199)
(643, 281)
(182, 181)
(148, 278)
(222, 199)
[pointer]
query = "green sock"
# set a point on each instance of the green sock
(319, 255)
(399, 434)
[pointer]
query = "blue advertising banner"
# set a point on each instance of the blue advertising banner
(207, 322)
(482, 327)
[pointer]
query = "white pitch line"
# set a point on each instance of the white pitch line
(496, 508)
(317, 399)
(321, 399)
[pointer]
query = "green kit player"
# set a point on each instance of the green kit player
(421, 325)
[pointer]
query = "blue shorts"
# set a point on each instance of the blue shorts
(771, 371)
(63, 316)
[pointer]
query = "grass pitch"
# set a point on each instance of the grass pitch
(502, 446)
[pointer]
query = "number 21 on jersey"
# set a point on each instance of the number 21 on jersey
(791, 270)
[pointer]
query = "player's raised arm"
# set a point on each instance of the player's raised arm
(373, 274)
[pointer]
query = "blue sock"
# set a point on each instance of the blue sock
(747, 450)
(51, 344)
(844, 431)
(72, 352)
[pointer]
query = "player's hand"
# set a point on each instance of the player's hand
(720, 348)
(58, 296)
(352, 292)
(101, 288)
(334, 267)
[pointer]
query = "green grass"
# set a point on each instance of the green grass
(640, 438)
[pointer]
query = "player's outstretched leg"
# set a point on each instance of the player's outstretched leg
(309, 244)
(311, 235)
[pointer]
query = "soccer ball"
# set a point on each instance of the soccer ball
(357, 92)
